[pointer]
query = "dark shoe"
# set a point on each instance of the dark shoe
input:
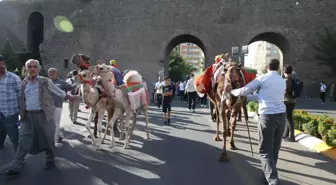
(49, 166)
(289, 139)
(165, 122)
(11, 174)
(60, 140)
(168, 121)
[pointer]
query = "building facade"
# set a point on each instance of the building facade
(193, 54)
(265, 52)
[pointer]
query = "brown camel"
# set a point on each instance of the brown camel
(219, 94)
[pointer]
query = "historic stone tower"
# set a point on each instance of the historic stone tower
(140, 34)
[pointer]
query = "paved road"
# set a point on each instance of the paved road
(183, 153)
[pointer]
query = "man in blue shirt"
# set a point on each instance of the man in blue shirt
(272, 121)
(10, 87)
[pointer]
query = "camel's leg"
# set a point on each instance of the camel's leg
(133, 126)
(223, 117)
(109, 116)
(100, 126)
(147, 122)
(233, 126)
(115, 116)
(121, 126)
(217, 138)
(127, 129)
(87, 125)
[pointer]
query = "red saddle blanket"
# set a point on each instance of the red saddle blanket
(203, 81)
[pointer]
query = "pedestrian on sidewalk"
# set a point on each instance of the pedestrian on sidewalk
(290, 105)
(204, 100)
(272, 120)
(192, 94)
(323, 90)
(37, 131)
(158, 88)
(10, 87)
(181, 87)
(58, 101)
(76, 93)
(167, 92)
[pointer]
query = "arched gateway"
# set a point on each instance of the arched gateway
(138, 34)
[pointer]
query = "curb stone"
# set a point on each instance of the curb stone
(308, 141)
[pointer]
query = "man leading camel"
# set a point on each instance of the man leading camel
(272, 120)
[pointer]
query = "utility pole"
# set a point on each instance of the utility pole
(239, 53)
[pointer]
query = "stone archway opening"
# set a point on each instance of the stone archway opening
(188, 47)
(35, 35)
(264, 47)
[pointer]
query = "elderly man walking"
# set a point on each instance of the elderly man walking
(58, 102)
(36, 112)
(10, 87)
(272, 120)
(74, 105)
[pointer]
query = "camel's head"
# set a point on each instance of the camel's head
(84, 77)
(233, 78)
(81, 61)
(104, 71)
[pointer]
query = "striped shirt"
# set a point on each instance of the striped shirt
(10, 89)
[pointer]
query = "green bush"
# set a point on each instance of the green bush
(253, 107)
(320, 126)
(311, 128)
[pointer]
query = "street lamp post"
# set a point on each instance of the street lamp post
(239, 53)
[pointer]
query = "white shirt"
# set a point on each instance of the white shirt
(181, 85)
(190, 85)
(158, 86)
(271, 90)
(323, 88)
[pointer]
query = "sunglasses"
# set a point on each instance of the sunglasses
(29, 67)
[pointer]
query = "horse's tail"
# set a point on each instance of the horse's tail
(132, 76)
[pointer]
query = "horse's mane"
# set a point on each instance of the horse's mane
(132, 76)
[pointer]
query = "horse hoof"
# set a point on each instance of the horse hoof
(217, 138)
(223, 158)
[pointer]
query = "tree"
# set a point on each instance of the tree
(326, 49)
(178, 67)
(12, 58)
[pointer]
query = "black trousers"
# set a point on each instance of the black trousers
(182, 95)
(322, 96)
(204, 100)
(159, 100)
(289, 129)
(192, 100)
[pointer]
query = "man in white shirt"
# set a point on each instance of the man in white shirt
(158, 88)
(181, 87)
(192, 94)
(272, 121)
(323, 90)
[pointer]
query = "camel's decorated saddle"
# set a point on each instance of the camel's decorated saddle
(136, 94)
(211, 76)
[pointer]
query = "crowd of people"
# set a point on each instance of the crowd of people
(38, 101)
(34, 105)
